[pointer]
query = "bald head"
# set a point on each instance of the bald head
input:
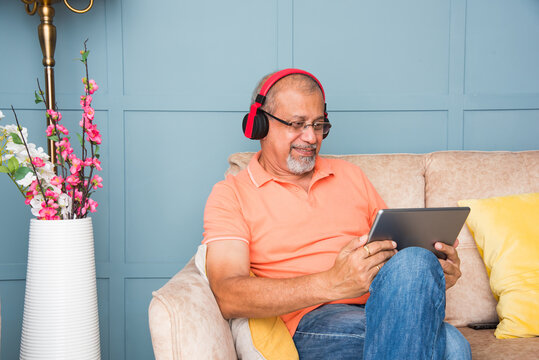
(301, 82)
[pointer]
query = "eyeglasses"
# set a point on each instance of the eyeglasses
(319, 127)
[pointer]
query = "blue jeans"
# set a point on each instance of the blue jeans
(403, 318)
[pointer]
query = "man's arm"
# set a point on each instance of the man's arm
(240, 295)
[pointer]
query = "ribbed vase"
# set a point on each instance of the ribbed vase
(60, 318)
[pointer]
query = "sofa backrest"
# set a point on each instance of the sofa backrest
(441, 179)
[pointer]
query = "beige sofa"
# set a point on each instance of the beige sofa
(185, 321)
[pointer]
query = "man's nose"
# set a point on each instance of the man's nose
(308, 135)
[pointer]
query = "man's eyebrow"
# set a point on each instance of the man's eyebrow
(302, 118)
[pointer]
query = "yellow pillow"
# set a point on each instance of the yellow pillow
(506, 230)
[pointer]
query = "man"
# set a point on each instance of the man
(298, 222)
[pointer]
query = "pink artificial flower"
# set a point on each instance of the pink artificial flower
(93, 134)
(93, 205)
(93, 86)
(85, 122)
(33, 187)
(97, 163)
(89, 112)
(29, 197)
(73, 180)
(55, 116)
(64, 148)
(48, 213)
(78, 195)
(75, 164)
(62, 129)
(50, 130)
(38, 162)
(57, 181)
(97, 182)
(85, 100)
(51, 194)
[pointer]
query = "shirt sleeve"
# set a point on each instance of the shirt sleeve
(223, 217)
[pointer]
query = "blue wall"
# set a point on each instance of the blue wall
(175, 80)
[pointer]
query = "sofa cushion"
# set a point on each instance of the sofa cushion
(454, 175)
(485, 346)
(506, 231)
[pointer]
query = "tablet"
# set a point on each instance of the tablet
(419, 226)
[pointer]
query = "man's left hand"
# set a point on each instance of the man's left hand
(451, 265)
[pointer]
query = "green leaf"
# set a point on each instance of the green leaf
(97, 149)
(97, 156)
(80, 138)
(4, 169)
(53, 138)
(16, 139)
(21, 172)
(84, 55)
(38, 98)
(13, 164)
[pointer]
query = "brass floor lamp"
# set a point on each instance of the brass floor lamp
(47, 39)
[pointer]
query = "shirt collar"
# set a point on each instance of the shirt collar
(323, 168)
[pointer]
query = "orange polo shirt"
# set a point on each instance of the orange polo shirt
(291, 232)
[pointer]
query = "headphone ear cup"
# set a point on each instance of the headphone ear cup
(260, 125)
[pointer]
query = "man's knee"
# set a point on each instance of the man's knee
(413, 267)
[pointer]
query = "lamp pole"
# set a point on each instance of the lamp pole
(47, 39)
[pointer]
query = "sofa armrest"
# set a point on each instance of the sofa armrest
(185, 320)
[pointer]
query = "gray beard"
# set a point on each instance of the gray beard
(300, 166)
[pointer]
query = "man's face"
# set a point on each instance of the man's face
(288, 151)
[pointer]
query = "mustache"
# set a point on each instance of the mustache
(304, 147)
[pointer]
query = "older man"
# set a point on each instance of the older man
(298, 222)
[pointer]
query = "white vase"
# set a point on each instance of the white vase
(60, 318)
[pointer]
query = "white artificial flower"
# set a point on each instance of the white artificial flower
(13, 129)
(2, 115)
(64, 200)
(46, 173)
(35, 203)
(27, 180)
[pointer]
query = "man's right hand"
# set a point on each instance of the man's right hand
(357, 264)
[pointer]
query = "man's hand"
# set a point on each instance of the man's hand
(357, 264)
(451, 265)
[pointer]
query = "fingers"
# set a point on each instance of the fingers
(355, 243)
(449, 251)
(450, 266)
(374, 247)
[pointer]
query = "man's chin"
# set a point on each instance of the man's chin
(301, 165)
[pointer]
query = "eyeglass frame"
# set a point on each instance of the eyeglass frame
(326, 125)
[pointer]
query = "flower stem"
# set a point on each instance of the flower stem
(28, 151)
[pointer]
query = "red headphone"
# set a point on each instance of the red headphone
(255, 123)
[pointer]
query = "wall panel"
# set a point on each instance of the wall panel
(211, 52)
(374, 47)
(501, 41)
(138, 293)
(501, 130)
(383, 132)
